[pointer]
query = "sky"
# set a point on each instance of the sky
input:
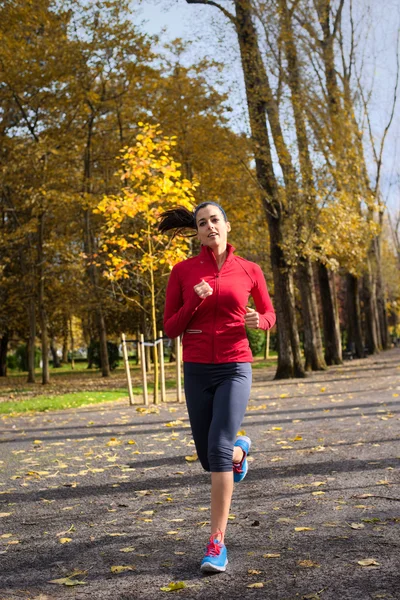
(211, 36)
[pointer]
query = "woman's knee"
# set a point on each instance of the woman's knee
(220, 456)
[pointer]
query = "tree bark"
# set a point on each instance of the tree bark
(64, 358)
(56, 358)
(330, 316)
(3, 353)
(89, 245)
(380, 295)
(41, 300)
(259, 101)
(372, 329)
(313, 349)
(31, 340)
(355, 340)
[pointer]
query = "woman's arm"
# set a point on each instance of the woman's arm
(177, 313)
(267, 317)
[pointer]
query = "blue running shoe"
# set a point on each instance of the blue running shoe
(215, 557)
(240, 469)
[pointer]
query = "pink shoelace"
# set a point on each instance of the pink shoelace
(237, 467)
(213, 546)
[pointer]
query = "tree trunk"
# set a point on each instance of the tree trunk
(64, 358)
(3, 353)
(372, 333)
(32, 340)
(56, 358)
(256, 83)
(89, 244)
(330, 317)
(41, 300)
(313, 350)
(355, 341)
(380, 294)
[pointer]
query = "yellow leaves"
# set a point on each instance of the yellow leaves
(116, 569)
(304, 529)
(70, 580)
(307, 564)
(65, 540)
(127, 549)
(368, 562)
(174, 423)
(191, 458)
(254, 572)
(241, 432)
(357, 525)
(114, 442)
(173, 586)
(272, 555)
(5, 514)
(151, 183)
(255, 585)
(276, 428)
(67, 581)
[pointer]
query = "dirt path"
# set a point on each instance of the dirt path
(325, 460)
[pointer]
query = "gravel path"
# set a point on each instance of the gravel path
(317, 517)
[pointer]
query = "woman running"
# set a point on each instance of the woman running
(206, 301)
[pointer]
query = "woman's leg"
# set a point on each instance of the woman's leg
(199, 401)
(229, 407)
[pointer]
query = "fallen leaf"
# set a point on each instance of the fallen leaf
(65, 540)
(357, 525)
(241, 432)
(127, 549)
(368, 562)
(256, 585)
(307, 563)
(254, 572)
(5, 514)
(121, 568)
(67, 581)
(276, 555)
(276, 428)
(304, 529)
(191, 458)
(171, 587)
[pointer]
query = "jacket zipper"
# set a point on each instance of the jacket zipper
(217, 283)
(215, 315)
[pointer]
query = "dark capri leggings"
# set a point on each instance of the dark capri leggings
(216, 398)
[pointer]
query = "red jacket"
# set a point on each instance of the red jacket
(213, 328)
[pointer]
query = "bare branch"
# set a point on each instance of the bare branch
(211, 3)
(338, 18)
(379, 164)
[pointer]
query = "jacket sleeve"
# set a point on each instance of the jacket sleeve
(177, 313)
(262, 300)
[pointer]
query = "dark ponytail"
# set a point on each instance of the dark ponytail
(178, 218)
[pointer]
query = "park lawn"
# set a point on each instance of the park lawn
(71, 400)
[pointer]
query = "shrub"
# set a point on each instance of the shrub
(19, 360)
(256, 339)
(94, 354)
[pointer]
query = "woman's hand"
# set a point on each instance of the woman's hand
(251, 318)
(203, 289)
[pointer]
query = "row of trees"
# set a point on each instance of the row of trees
(322, 209)
(79, 82)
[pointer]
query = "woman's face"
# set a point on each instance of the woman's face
(212, 229)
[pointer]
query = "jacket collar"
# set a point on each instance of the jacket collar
(206, 251)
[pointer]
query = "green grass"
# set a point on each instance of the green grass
(72, 400)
